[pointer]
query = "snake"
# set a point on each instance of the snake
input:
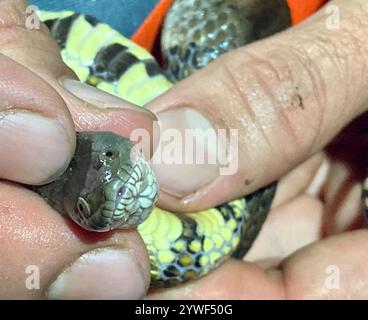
(108, 183)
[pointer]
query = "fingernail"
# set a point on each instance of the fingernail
(108, 273)
(184, 164)
(34, 148)
(99, 98)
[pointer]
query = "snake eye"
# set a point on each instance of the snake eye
(108, 155)
(83, 207)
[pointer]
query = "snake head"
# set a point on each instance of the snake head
(120, 187)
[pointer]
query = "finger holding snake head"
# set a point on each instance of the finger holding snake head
(115, 187)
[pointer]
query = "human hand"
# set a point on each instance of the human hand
(38, 118)
(289, 96)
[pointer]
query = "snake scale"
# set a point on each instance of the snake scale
(105, 187)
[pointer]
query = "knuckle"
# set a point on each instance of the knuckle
(283, 93)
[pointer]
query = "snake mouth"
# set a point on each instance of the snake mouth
(101, 221)
(88, 223)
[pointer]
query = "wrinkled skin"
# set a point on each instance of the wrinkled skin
(319, 197)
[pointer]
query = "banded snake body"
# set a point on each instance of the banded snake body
(104, 186)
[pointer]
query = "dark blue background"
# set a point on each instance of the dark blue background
(123, 15)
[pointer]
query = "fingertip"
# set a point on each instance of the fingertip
(106, 273)
(34, 148)
(100, 99)
(97, 110)
(195, 152)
